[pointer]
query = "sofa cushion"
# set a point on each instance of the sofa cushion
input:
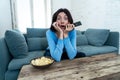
(81, 40)
(16, 43)
(36, 39)
(37, 44)
(36, 32)
(78, 32)
(18, 63)
(90, 50)
(97, 37)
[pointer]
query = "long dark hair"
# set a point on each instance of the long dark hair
(66, 11)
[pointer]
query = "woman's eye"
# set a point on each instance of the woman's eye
(66, 18)
(58, 18)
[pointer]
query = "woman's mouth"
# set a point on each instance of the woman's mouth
(63, 27)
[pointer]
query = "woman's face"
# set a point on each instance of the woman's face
(62, 20)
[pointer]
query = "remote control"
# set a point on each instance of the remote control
(78, 23)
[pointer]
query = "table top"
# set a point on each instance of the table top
(102, 67)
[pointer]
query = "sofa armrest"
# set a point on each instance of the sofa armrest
(5, 58)
(113, 40)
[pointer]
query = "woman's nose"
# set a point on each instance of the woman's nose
(62, 21)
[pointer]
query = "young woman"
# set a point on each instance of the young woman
(62, 37)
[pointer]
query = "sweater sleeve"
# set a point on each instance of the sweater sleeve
(56, 48)
(70, 45)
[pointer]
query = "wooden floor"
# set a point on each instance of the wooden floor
(100, 67)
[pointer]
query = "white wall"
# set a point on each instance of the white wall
(97, 13)
(5, 16)
(56, 4)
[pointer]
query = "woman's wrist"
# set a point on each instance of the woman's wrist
(60, 35)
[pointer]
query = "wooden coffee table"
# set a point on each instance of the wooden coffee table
(99, 67)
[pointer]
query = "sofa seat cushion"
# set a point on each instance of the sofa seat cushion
(97, 37)
(16, 43)
(18, 63)
(94, 50)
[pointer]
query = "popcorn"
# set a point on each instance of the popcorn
(42, 61)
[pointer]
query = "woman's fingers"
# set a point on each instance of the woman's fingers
(73, 25)
(54, 24)
(69, 27)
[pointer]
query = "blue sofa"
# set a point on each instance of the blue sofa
(18, 49)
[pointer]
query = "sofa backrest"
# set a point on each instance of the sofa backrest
(36, 39)
(113, 40)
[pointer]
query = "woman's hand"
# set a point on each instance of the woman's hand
(58, 29)
(69, 27)
(56, 26)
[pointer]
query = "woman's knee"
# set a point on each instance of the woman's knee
(80, 54)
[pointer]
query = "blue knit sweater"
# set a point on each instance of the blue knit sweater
(58, 46)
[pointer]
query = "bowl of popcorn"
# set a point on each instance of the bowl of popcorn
(42, 62)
